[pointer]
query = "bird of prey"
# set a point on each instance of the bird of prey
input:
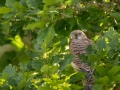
(77, 45)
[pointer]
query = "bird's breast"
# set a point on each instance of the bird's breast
(77, 47)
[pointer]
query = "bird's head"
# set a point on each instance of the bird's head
(77, 34)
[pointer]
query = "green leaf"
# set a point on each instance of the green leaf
(75, 87)
(23, 66)
(107, 0)
(44, 88)
(116, 15)
(42, 33)
(12, 80)
(36, 65)
(84, 25)
(101, 70)
(9, 70)
(50, 2)
(34, 3)
(22, 57)
(4, 10)
(114, 41)
(101, 43)
(64, 63)
(45, 69)
(5, 27)
(92, 57)
(97, 87)
(9, 3)
(16, 6)
(48, 39)
(90, 49)
(37, 24)
(114, 71)
(17, 43)
(21, 84)
(116, 61)
(110, 33)
(117, 78)
(101, 55)
(23, 2)
(102, 80)
(54, 69)
(79, 76)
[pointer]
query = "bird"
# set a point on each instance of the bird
(78, 44)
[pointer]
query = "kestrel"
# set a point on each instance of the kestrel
(77, 45)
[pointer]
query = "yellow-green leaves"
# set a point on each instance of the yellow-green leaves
(46, 61)
(47, 69)
(17, 43)
(4, 10)
(50, 2)
(44, 88)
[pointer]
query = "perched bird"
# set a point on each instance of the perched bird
(77, 45)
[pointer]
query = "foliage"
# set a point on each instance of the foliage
(34, 39)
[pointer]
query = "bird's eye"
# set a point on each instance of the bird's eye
(76, 36)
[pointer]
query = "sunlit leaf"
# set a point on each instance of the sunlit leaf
(44, 88)
(48, 2)
(4, 10)
(54, 69)
(45, 69)
(17, 43)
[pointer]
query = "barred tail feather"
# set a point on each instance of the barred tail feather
(89, 87)
(88, 82)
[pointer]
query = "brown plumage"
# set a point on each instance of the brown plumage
(77, 45)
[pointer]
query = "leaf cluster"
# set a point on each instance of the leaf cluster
(34, 43)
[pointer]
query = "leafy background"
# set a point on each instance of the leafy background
(34, 39)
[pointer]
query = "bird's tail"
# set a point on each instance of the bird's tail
(89, 79)
(89, 87)
(88, 82)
